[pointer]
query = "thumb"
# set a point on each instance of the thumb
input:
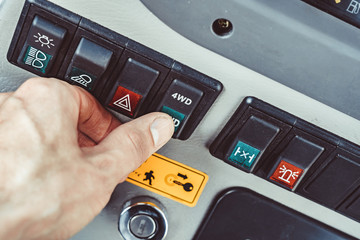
(130, 144)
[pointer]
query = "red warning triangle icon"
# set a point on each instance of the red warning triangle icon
(124, 103)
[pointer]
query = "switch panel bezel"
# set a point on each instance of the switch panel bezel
(333, 145)
(78, 27)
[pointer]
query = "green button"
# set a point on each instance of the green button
(244, 154)
(81, 77)
(37, 59)
(176, 116)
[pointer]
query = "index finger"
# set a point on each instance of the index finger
(94, 120)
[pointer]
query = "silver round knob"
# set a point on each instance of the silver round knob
(143, 218)
(142, 226)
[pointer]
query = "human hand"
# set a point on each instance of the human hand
(62, 155)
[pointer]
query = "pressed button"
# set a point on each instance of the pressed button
(88, 64)
(176, 116)
(179, 101)
(42, 45)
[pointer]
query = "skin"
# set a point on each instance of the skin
(62, 155)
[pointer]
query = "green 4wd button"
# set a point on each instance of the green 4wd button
(176, 116)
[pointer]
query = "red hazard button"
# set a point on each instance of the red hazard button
(125, 101)
(286, 174)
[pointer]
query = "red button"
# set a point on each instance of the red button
(286, 174)
(125, 101)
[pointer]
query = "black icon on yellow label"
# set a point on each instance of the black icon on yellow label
(170, 179)
(182, 176)
(149, 176)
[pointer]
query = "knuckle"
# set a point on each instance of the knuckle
(36, 86)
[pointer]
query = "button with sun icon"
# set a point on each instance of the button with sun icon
(44, 40)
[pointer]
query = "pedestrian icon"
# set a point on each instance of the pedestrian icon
(82, 79)
(149, 177)
(124, 103)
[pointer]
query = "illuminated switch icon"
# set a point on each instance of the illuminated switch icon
(125, 101)
(286, 174)
(354, 7)
(176, 116)
(37, 59)
(81, 77)
(244, 154)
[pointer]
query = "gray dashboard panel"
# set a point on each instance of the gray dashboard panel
(286, 40)
(132, 19)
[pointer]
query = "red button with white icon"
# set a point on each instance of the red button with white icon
(286, 174)
(125, 101)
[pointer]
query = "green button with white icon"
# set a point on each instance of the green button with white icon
(176, 116)
(37, 59)
(244, 154)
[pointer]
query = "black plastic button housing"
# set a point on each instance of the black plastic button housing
(195, 93)
(179, 101)
(88, 64)
(79, 59)
(139, 77)
(42, 44)
(122, 74)
(294, 154)
(301, 151)
(297, 152)
(334, 181)
(56, 24)
(351, 207)
(251, 129)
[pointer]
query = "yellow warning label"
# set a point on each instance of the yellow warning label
(169, 178)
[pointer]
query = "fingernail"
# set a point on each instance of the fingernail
(161, 130)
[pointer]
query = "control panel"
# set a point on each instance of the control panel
(293, 154)
(277, 165)
(124, 75)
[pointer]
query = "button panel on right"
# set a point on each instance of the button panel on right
(293, 154)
